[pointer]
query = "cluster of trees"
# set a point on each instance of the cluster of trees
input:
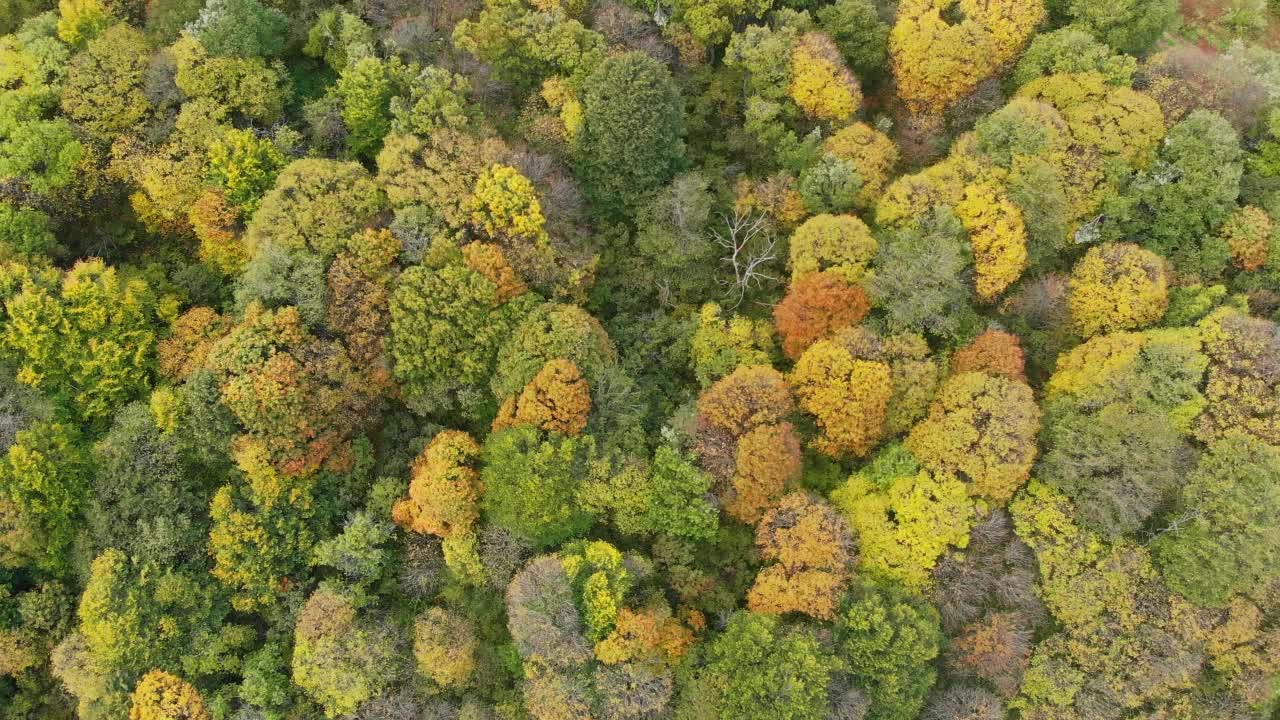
(630, 360)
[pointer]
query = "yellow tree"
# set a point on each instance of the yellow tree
(1115, 287)
(557, 399)
(161, 696)
(848, 397)
(982, 428)
(810, 554)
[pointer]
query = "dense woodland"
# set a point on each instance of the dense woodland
(639, 360)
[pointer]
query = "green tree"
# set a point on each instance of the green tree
(341, 659)
(533, 483)
(88, 343)
(364, 90)
(245, 166)
(244, 28)
(103, 91)
(860, 33)
(888, 638)
(759, 667)
(43, 153)
(630, 142)
(1223, 535)
(919, 279)
(43, 485)
(1189, 192)
(316, 205)
(1129, 26)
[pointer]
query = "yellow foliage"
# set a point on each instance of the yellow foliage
(557, 399)
(161, 696)
(936, 62)
(776, 196)
(982, 428)
(746, 398)
(559, 94)
(216, 226)
(849, 398)
(997, 236)
(505, 204)
(489, 260)
(842, 244)
(811, 555)
(647, 634)
(872, 153)
(904, 529)
(444, 645)
(720, 345)
(1248, 236)
(766, 460)
(1117, 286)
(820, 83)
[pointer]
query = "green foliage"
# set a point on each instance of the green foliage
(43, 483)
(244, 28)
(88, 343)
(863, 38)
(919, 279)
(887, 638)
(103, 91)
(26, 230)
(669, 497)
(1071, 50)
(1220, 538)
(533, 483)
(1128, 26)
(245, 167)
(630, 142)
(42, 153)
(758, 667)
(315, 205)
(340, 659)
(338, 37)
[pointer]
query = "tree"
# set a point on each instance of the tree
(671, 234)
(364, 91)
(920, 277)
(315, 205)
(1071, 50)
(1220, 537)
(936, 62)
(1247, 235)
(436, 99)
(445, 644)
(863, 38)
(103, 90)
(810, 556)
(43, 153)
(506, 207)
(360, 283)
(994, 352)
(243, 28)
(553, 331)
(841, 244)
(1240, 388)
(721, 345)
(630, 142)
(872, 154)
(758, 667)
(1129, 26)
(340, 659)
(244, 86)
(444, 488)
(668, 498)
(904, 528)
(145, 498)
(887, 637)
(88, 343)
(447, 325)
(262, 529)
(296, 395)
(821, 85)
(817, 305)
(848, 397)
(1117, 287)
(1202, 154)
(983, 429)
(557, 399)
(532, 483)
(245, 167)
(43, 484)
(161, 696)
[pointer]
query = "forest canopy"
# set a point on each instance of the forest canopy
(640, 360)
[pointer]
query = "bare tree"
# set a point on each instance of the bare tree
(750, 246)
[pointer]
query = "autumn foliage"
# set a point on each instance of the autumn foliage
(810, 556)
(557, 399)
(444, 488)
(817, 305)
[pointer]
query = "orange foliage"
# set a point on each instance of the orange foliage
(557, 399)
(767, 459)
(444, 488)
(812, 555)
(993, 352)
(775, 196)
(745, 398)
(216, 224)
(1248, 236)
(489, 260)
(360, 283)
(645, 634)
(817, 305)
(192, 336)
